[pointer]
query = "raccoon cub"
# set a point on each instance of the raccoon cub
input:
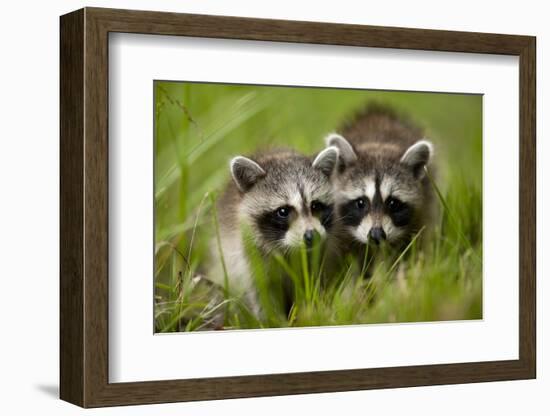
(383, 192)
(283, 198)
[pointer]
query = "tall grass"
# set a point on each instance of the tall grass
(199, 126)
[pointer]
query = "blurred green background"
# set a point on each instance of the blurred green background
(199, 127)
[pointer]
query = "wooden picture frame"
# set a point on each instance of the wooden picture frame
(84, 207)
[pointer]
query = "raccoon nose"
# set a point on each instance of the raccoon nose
(308, 238)
(377, 234)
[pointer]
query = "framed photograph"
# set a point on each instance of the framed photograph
(255, 207)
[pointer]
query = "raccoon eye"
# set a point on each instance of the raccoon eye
(394, 204)
(283, 212)
(317, 206)
(361, 203)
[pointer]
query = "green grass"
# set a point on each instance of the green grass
(198, 127)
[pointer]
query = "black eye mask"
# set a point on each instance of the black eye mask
(399, 212)
(274, 225)
(354, 211)
(323, 212)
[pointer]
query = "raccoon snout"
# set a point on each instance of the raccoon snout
(308, 237)
(377, 234)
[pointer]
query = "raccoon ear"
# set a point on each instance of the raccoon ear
(347, 154)
(245, 172)
(326, 160)
(417, 156)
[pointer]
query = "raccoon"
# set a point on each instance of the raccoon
(283, 198)
(383, 193)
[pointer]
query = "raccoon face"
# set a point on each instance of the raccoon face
(286, 198)
(382, 196)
